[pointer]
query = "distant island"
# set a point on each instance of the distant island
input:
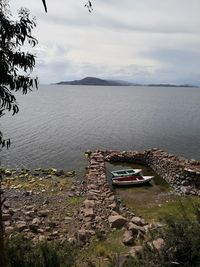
(102, 82)
(97, 81)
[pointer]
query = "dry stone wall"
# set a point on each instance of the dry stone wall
(101, 211)
(182, 174)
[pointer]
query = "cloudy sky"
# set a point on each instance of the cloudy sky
(148, 41)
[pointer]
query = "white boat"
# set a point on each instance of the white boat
(126, 172)
(131, 180)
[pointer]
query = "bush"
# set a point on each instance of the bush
(182, 244)
(21, 252)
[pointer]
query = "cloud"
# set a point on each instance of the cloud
(141, 41)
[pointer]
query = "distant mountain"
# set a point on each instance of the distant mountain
(103, 82)
(97, 81)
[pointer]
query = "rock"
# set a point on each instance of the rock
(34, 228)
(82, 237)
(43, 213)
(71, 240)
(8, 173)
(88, 212)
(68, 219)
(93, 186)
(117, 221)
(89, 203)
(72, 173)
(36, 221)
(29, 213)
(5, 217)
(42, 238)
(30, 208)
(135, 228)
(20, 226)
(128, 238)
(113, 206)
(37, 169)
(92, 196)
(55, 233)
(52, 224)
(9, 229)
(185, 189)
(111, 198)
(71, 194)
(158, 243)
(138, 221)
(59, 173)
(134, 250)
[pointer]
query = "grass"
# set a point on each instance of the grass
(51, 185)
(98, 251)
(154, 201)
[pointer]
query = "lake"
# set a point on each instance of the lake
(56, 124)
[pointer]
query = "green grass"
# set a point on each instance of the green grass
(154, 209)
(99, 250)
(153, 201)
(51, 185)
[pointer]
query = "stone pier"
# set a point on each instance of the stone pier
(182, 174)
(100, 210)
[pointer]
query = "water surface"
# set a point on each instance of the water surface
(56, 124)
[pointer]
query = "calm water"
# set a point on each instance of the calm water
(56, 124)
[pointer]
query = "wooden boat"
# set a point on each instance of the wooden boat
(131, 180)
(126, 172)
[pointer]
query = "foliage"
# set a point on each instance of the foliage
(16, 64)
(88, 5)
(182, 244)
(21, 252)
(45, 6)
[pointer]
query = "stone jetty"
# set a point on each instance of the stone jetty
(182, 174)
(101, 211)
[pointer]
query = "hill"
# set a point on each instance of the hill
(96, 81)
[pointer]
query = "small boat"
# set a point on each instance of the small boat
(125, 172)
(131, 180)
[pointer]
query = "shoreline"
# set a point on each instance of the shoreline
(61, 207)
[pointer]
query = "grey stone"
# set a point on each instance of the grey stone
(89, 203)
(43, 213)
(117, 221)
(138, 221)
(128, 238)
(20, 226)
(135, 228)
(158, 243)
(6, 217)
(134, 250)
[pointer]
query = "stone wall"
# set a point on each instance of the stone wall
(182, 174)
(101, 210)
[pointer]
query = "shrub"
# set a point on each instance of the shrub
(21, 252)
(182, 244)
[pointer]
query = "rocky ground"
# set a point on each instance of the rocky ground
(40, 203)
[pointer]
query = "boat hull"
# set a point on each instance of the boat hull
(132, 180)
(126, 172)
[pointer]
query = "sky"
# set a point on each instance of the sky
(143, 41)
